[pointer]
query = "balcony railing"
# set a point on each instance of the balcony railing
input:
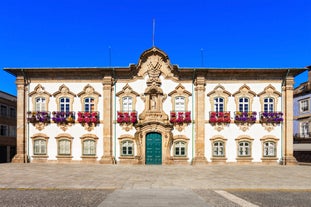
(62, 117)
(245, 117)
(38, 116)
(219, 117)
(127, 117)
(180, 117)
(85, 117)
(271, 117)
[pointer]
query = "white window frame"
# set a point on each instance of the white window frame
(64, 104)
(89, 147)
(304, 129)
(40, 103)
(304, 105)
(180, 103)
(39, 147)
(268, 105)
(219, 104)
(244, 104)
(244, 149)
(180, 149)
(127, 104)
(64, 150)
(127, 148)
(89, 104)
(218, 149)
(269, 149)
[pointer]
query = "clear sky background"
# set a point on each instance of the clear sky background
(78, 33)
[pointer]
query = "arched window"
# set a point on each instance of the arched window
(64, 147)
(40, 104)
(39, 147)
(180, 149)
(127, 148)
(218, 149)
(89, 147)
(219, 104)
(244, 149)
(179, 103)
(127, 104)
(269, 149)
(243, 104)
(89, 104)
(64, 104)
(268, 104)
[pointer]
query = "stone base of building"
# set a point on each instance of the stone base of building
(289, 160)
(129, 160)
(244, 160)
(19, 158)
(199, 161)
(179, 161)
(107, 160)
(270, 161)
(219, 160)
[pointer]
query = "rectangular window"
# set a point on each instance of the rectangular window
(269, 149)
(127, 104)
(65, 104)
(40, 104)
(89, 147)
(39, 147)
(13, 112)
(89, 104)
(3, 130)
(64, 147)
(3, 110)
(12, 131)
(304, 105)
(243, 105)
(179, 103)
(304, 129)
(268, 105)
(219, 104)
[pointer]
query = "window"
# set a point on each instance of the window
(3, 130)
(243, 104)
(64, 147)
(39, 147)
(269, 149)
(64, 104)
(13, 112)
(219, 104)
(180, 149)
(268, 105)
(304, 129)
(127, 148)
(12, 131)
(180, 103)
(89, 147)
(40, 104)
(127, 102)
(89, 104)
(304, 105)
(4, 110)
(218, 149)
(244, 149)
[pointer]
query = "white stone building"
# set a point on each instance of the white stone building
(155, 113)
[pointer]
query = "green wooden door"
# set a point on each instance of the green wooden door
(153, 149)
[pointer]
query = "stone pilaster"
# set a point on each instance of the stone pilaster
(20, 156)
(107, 158)
(288, 158)
(199, 121)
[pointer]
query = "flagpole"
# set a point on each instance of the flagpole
(153, 31)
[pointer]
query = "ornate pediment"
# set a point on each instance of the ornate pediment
(154, 62)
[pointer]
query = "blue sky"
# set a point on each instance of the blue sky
(78, 33)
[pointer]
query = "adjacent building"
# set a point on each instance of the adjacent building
(154, 112)
(302, 121)
(7, 127)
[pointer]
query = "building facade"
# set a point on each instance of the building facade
(7, 127)
(302, 121)
(154, 112)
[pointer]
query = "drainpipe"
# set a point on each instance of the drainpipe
(114, 115)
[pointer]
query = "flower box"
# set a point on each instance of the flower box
(245, 117)
(180, 117)
(271, 117)
(88, 117)
(127, 117)
(38, 116)
(219, 117)
(62, 117)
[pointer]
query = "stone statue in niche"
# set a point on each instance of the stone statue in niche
(153, 102)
